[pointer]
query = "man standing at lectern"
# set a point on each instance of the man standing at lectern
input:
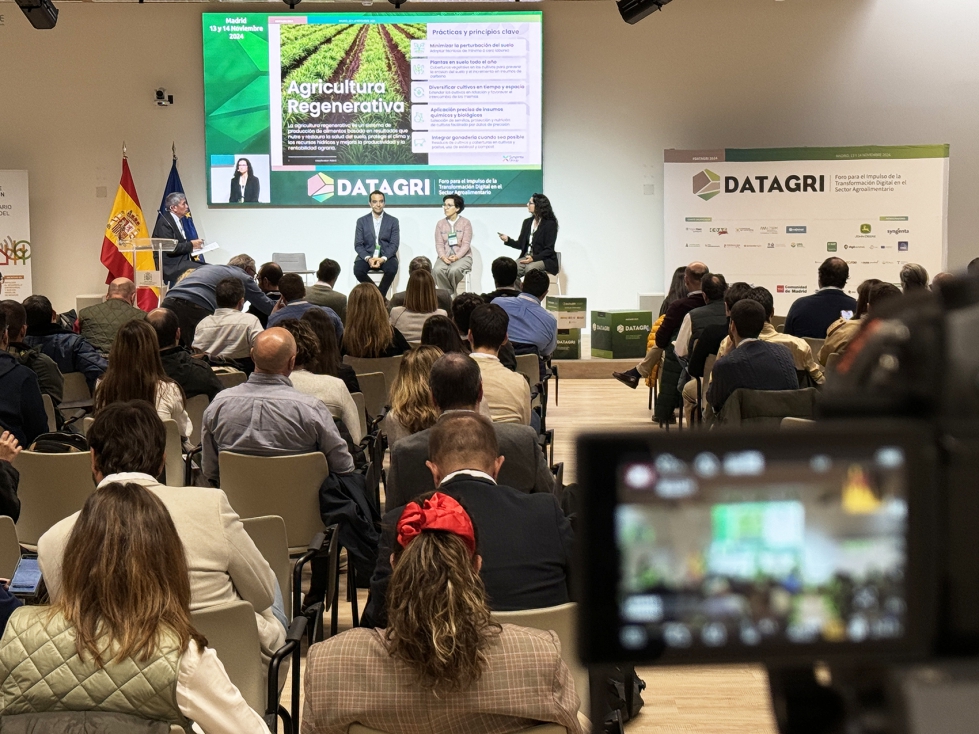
(376, 241)
(170, 226)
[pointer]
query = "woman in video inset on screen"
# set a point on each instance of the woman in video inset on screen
(244, 185)
(537, 238)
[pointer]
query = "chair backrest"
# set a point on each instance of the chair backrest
(796, 422)
(287, 486)
(49, 412)
(815, 344)
(88, 299)
(388, 366)
(831, 361)
(708, 367)
(528, 365)
(52, 487)
(269, 536)
(778, 321)
(232, 632)
(230, 379)
(562, 619)
(9, 547)
(290, 262)
(195, 408)
(768, 407)
(361, 409)
(76, 387)
(374, 387)
(174, 462)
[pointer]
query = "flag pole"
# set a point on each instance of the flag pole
(173, 147)
(124, 149)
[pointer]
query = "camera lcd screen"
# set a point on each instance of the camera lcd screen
(743, 548)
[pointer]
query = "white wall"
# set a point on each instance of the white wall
(701, 74)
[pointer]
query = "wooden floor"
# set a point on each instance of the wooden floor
(679, 700)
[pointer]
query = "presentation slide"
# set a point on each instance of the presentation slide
(321, 109)
(771, 216)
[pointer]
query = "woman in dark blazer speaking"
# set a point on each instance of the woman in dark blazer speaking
(244, 185)
(538, 235)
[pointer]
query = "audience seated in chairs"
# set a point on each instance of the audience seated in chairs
(268, 282)
(914, 277)
(330, 390)
(441, 332)
(321, 293)
(811, 316)
(136, 373)
(709, 344)
(507, 393)
(267, 416)
(98, 324)
(456, 385)
(840, 333)
(504, 279)
(525, 538)
(412, 409)
(9, 477)
(368, 332)
(194, 375)
(293, 304)
(441, 657)
(21, 406)
(753, 364)
(128, 443)
(443, 296)
(420, 304)
(119, 636)
(228, 333)
(49, 377)
(805, 365)
(530, 322)
(681, 300)
(462, 308)
(68, 350)
(327, 359)
(194, 297)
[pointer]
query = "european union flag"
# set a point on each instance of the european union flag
(174, 185)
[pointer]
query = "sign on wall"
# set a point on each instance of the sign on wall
(15, 236)
(771, 216)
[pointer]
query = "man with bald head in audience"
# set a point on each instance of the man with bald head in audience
(267, 416)
(99, 323)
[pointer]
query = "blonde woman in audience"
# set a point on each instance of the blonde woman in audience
(123, 618)
(421, 304)
(368, 332)
(136, 373)
(441, 657)
(412, 407)
(840, 333)
(327, 388)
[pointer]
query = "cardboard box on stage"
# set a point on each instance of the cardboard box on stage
(568, 344)
(572, 313)
(620, 334)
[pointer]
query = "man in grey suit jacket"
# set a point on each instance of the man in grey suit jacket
(376, 241)
(456, 386)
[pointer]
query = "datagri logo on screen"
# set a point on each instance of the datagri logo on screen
(707, 184)
(321, 187)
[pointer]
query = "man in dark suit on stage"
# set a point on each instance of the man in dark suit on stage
(170, 226)
(524, 539)
(376, 241)
(456, 385)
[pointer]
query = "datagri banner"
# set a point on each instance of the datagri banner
(771, 216)
(15, 236)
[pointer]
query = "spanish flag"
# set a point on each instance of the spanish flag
(127, 222)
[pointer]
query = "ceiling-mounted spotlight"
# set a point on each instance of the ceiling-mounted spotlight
(41, 13)
(632, 11)
(397, 3)
(292, 3)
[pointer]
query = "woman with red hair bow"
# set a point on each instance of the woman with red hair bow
(442, 664)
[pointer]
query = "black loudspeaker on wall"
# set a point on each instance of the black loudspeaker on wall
(632, 11)
(41, 13)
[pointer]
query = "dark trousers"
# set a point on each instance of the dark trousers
(389, 268)
(188, 314)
